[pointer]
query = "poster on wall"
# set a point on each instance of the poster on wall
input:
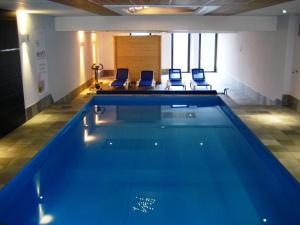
(41, 61)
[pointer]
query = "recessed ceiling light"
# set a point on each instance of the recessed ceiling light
(284, 11)
(134, 9)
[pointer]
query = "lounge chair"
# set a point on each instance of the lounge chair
(175, 79)
(121, 78)
(198, 79)
(147, 79)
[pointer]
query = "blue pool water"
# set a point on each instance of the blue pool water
(153, 161)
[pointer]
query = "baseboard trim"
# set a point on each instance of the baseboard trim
(47, 101)
(257, 96)
(107, 73)
(69, 97)
(291, 102)
(36, 108)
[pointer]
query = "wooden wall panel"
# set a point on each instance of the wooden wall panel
(138, 53)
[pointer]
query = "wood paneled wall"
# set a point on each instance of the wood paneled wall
(138, 53)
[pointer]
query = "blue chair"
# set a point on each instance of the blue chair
(198, 77)
(147, 79)
(175, 78)
(121, 78)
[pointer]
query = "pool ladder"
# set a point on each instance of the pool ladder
(99, 109)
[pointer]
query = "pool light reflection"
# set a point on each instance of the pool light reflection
(87, 137)
(44, 218)
(97, 119)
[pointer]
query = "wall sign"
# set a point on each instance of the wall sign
(41, 61)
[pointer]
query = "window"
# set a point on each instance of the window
(194, 53)
(208, 52)
(194, 50)
(180, 42)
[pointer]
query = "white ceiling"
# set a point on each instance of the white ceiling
(56, 9)
(292, 8)
(43, 7)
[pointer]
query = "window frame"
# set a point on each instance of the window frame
(199, 53)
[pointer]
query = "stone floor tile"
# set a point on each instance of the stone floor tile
(291, 148)
(286, 142)
(271, 142)
(277, 148)
(290, 132)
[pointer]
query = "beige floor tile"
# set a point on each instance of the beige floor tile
(271, 142)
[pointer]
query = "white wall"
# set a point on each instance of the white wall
(65, 70)
(69, 64)
(166, 23)
(260, 60)
(295, 90)
(166, 50)
(106, 49)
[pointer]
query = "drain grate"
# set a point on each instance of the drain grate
(190, 115)
(179, 115)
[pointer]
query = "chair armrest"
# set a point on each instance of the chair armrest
(127, 83)
(138, 83)
(193, 84)
(184, 85)
(168, 84)
(153, 83)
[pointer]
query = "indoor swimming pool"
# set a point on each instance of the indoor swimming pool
(153, 160)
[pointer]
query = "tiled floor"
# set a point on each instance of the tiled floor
(19, 146)
(277, 127)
